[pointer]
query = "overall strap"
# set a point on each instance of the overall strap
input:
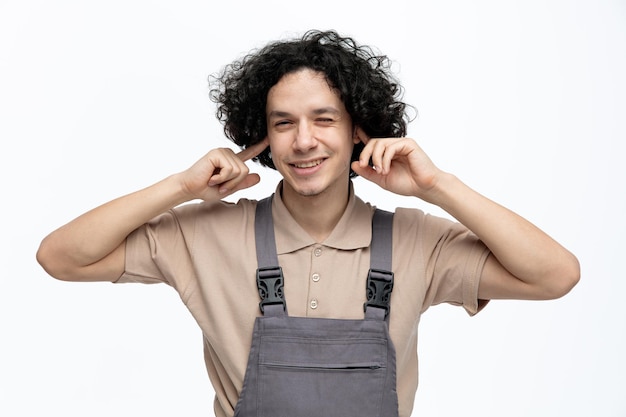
(270, 280)
(380, 275)
(269, 275)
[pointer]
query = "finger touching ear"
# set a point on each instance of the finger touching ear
(366, 171)
(253, 150)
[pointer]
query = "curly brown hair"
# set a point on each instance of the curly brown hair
(362, 79)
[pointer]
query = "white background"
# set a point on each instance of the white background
(524, 100)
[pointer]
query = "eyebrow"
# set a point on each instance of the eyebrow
(317, 112)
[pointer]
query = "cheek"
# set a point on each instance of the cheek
(350, 147)
(273, 156)
(273, 145)
(347, 158)
(275, 151)
(280, 143)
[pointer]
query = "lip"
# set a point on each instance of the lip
(308, 167)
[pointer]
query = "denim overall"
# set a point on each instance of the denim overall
(317, 367)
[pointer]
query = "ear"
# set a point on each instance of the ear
(358, 135)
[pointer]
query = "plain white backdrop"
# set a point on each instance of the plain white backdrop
(523, 100)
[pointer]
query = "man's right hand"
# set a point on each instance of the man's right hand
(221, 172)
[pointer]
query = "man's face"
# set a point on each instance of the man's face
(310, 134)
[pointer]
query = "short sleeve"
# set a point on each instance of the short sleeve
(159, 250)
(449, 255)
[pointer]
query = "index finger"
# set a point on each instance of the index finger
(253, 150)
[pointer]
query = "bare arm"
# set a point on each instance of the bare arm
(92, 246)
(525, 263)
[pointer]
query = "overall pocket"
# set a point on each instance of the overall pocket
(300, 376)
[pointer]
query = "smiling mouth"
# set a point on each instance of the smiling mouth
(309, 164)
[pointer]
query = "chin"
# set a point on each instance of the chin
(306, 190)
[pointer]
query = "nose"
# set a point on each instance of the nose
(305, 137)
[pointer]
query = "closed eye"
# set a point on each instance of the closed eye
(282, 123)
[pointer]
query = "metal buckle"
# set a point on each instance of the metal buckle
(270, 284)
(379, 286)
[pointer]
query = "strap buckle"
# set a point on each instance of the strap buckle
(379, 286)
(270, 285)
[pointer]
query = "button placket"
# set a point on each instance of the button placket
(314, 303)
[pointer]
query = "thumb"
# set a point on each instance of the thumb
(366, 172)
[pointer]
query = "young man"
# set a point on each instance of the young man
(320, 110)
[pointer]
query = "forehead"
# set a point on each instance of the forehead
(302, 87)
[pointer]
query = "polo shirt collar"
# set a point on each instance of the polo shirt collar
(353, 231)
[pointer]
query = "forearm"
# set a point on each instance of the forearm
(526, 263)
(91, 247)
(68, 252)
(522, 249)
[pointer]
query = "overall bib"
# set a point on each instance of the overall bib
(301, 367)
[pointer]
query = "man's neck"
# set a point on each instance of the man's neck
(317, 214)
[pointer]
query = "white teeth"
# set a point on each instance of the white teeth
(308, 164)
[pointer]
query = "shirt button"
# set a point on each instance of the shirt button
(315, 277)
(314, 304)
(318, 252)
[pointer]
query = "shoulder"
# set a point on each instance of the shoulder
(417, 229)
(189, 217)
(222, 210)
(412, 218)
